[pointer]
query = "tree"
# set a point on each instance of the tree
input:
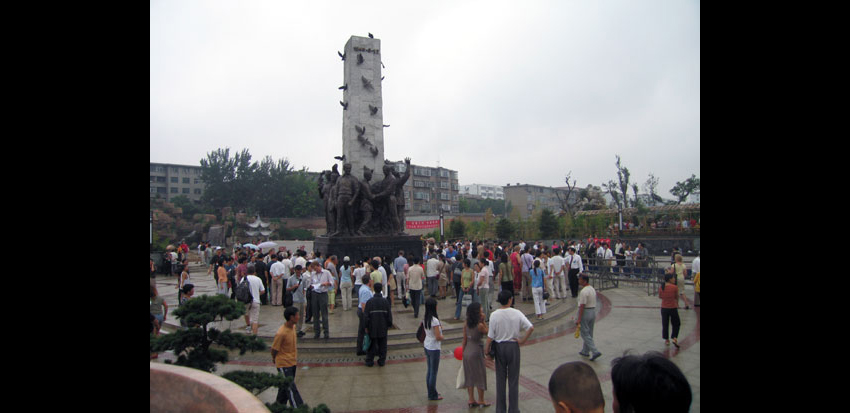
(684, 189)
(651, 187)
(267, 187)
(569, 202)
(505, 229)
(193, 345)
(548, 224)
(456, 228)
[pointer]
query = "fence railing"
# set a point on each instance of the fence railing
(648, 274)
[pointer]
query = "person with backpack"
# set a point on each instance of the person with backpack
(248, 292)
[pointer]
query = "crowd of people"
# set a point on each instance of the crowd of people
(472, 273)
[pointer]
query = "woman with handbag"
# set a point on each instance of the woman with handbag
(466, 289)
(474, 371)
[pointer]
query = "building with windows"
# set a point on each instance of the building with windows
(429, 190)
(483, 190)
(169, 181)
(528, 198)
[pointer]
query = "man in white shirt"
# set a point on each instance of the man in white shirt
(574, 268)
(431, 274)
(277, 271)
(558, 271)
(288, 265)
(587, 318)
(505, 325)
(322, 281)
(252, 313)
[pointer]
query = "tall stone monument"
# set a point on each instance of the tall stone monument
(362, 202)
(362, 115)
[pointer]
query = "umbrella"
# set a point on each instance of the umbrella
(268, 245)
(251, 246)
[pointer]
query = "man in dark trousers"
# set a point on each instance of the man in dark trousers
(378, 319)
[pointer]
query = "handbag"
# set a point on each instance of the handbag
(420, 333)
(461, 380)
(467, 300)
(367, 342)
(578, 330)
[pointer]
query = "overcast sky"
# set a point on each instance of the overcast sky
(500, 91)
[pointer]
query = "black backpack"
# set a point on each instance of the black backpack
(243, 291)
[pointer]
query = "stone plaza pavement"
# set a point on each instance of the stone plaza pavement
(329, 371)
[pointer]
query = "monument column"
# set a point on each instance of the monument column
(362, 119)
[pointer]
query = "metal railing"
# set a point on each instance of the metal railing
(647, 274)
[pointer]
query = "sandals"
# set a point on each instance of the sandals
(676, 343)
(473, 404)
(484, 404)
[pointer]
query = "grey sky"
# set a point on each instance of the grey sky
(501, 91)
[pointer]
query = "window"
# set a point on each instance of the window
(444, 185)
(444, 173)
(197, 181)
(185, 190)
(153, 178)
(160, 179)
(445, 196)
(185, 180)
(419, 184)
(422, 195)
(173, 179)
(161, 190)
(197, 191)
(173, 190)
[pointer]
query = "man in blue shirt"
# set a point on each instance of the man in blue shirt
(398, 266)
(363, 296)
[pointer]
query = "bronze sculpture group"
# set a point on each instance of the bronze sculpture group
(361, 208)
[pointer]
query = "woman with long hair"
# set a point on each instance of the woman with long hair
(433, 337)
(669, 294)
(474, 372)
(184, 278)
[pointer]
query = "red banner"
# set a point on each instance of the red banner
(434, 223)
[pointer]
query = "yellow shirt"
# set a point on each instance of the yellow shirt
(376, 276)
(284, 343)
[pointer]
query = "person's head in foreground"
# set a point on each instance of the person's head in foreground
(574, 388)
(649, 383)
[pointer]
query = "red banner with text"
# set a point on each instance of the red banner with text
(433, 223)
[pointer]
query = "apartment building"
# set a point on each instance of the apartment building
(528, 198)
(483, 190)
(169, 181)
(430, 190)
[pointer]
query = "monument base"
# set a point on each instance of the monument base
(368, 247)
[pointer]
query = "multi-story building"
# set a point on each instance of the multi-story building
(528, 198)
(430, 190)
(483, 190)
(169, 181)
